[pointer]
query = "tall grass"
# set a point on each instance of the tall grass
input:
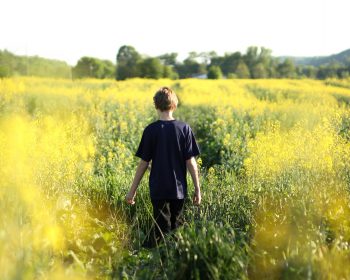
(274, 173)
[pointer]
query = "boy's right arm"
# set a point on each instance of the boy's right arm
(191, 165)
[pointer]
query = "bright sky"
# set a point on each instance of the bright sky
(70, 29)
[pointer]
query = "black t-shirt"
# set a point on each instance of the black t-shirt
(168, 144)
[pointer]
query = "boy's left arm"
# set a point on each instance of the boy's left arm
(193, 169)
(140, 171)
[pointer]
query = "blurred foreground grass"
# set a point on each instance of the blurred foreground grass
(275, 171)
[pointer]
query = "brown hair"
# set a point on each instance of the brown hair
(165, 99)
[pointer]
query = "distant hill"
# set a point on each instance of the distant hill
(16, 65)
(342, 58)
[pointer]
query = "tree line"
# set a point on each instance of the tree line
(255, 63)
(15, 65)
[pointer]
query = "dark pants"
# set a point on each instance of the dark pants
(167, 214)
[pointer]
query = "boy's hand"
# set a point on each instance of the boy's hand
(197, 198)
(130, 197)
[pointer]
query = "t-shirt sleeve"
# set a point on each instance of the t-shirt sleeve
(144, 150)
(191, 146)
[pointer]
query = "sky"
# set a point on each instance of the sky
(69, 29)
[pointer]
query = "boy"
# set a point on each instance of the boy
(171, 146)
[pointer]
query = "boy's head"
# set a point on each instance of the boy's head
(165, 99)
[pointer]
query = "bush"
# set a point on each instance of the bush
(214, 72)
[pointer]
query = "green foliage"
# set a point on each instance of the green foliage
(308, 71)
(201, 117)
(108, 69)
(4, 71)
(214, 72)
(230, 63)
(128, 60)
(293, 225)
(14, 65)
(168, 59)
(328, 71)
(190, 66)
(242, 70)
(231, 76)
(207, 251)
(130, 64)
(90, 67)
(251, 56)
(151, 68)
(169, 72)
(259, 71)
(286, 69)
(257, 62)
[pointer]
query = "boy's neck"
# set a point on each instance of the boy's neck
(166, 115)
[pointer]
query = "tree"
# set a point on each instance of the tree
(168, 72)
(151, 68)
(230, 62)
(265, 58)
(217, 61)
(88, 67)
(4, 71)
(206, 57)
(168, 59)
(214, 72)
(344, 74)
(259, 62)
(242, 70)
(6, 62)
(108, 69)
(259, 71)
(286, 69)
(128, 60)
(308, 71)
(11, 65)
(251, 56)
(327, 71)
(273, 68)
(190, 66)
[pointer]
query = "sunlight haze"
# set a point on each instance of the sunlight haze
(68, 30)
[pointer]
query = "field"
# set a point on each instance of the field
(275, 177)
